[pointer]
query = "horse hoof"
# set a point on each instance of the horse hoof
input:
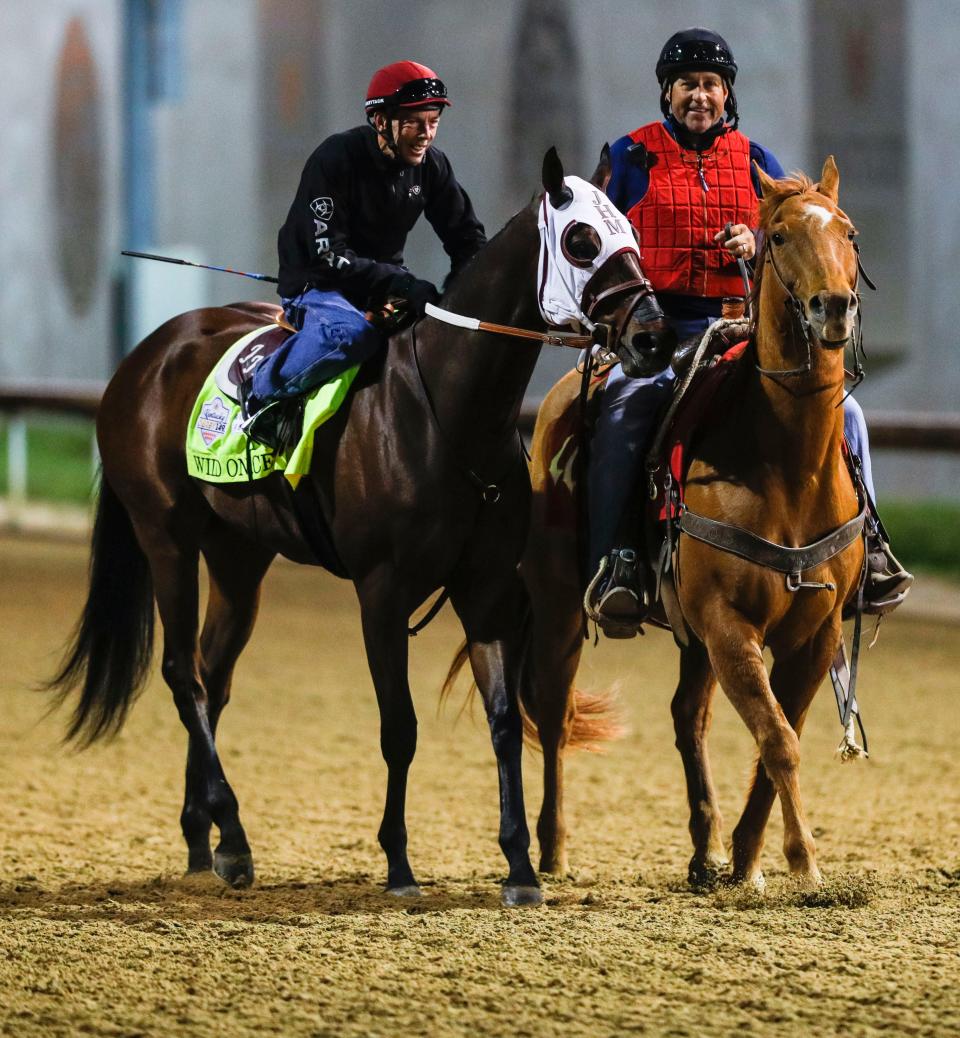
(516, 896)
(410, 890)
(236, 870)
(707, 875)
(808, 882)
(755, 882)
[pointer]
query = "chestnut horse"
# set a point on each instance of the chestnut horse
(772, 467)
(421, 482)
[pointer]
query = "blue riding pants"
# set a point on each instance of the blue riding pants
(624, 428)
(332, 336)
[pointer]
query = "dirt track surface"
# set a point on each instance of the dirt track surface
(99, 934)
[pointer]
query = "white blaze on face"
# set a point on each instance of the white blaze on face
(819, 212)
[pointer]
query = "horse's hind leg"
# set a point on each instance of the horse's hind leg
(692, 710)
(495, 617)
(794, 681)
(174, 566)
(385, 638)
(556, 647)
(236, 568)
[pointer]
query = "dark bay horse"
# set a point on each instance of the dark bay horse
(773, 467)
(423, 486)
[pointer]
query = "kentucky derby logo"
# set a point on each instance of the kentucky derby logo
(322, 208)
(212, 423)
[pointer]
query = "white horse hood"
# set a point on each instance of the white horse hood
(562, 280)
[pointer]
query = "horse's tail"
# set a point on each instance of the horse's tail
(594, 720)
(112, 648)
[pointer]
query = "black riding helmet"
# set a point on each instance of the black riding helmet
(697, 50)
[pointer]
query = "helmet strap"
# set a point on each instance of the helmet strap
(387, 134)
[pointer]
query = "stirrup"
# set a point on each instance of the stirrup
(612, 599)
(887, 583)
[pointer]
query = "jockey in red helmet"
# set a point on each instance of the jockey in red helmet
(404, 102)
(341, 247)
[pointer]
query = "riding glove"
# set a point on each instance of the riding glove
(413, 290)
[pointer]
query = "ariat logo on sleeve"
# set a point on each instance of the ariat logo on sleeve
(322, 208)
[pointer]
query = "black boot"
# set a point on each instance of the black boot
(615, 599)
(276, 424)
(887, 582)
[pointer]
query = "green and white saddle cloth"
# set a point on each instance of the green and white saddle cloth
(219, 452)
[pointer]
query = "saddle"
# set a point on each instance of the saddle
(242, 359)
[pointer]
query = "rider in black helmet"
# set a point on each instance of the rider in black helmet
(681, 183)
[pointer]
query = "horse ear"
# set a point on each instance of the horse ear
(830, 180)
(603, 172)
(767, 184)
(558, 193)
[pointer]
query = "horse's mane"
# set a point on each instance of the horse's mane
(454, 279)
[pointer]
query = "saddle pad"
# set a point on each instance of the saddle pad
(218, 452)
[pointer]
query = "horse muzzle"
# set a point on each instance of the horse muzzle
(832, 318)
(646, 343)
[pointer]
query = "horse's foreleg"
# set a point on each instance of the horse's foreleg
(794, 680)
(236, 569)
(737, 658)
(495, 620)
(385, 639)
(175, 578)
(692, 710)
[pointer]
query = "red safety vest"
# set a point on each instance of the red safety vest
(677, 218)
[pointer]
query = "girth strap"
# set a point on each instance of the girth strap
(747, 545)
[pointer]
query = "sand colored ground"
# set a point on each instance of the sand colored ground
(98, 935)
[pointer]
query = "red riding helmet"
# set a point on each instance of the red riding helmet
(405, 84)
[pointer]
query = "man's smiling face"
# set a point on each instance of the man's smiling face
(697, 99)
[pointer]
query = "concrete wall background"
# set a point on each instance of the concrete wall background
(263, 81)
(45, 336)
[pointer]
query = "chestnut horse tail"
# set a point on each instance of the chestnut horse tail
(112, 647)
(593, 722)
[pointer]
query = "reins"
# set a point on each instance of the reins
(550, 338)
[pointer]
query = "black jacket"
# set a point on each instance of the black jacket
(353, 210)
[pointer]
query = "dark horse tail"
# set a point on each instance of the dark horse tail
(112, 647)
(593, 722)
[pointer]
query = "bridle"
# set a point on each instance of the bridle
(799, 315)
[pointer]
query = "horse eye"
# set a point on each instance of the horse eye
(581, 244)
(851, 235)
(777, 238)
